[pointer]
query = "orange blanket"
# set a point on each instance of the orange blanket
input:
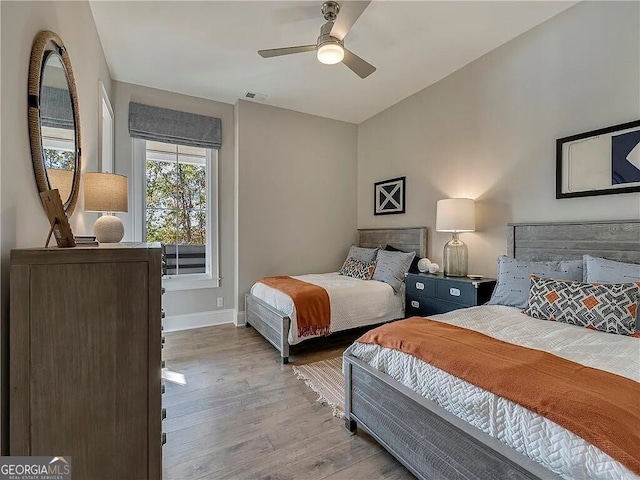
(600, 407)
(313, 310)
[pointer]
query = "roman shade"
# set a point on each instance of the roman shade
(56, 110)
(171, 126)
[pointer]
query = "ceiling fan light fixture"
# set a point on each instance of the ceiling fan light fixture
(330, 53)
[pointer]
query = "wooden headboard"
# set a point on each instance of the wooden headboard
(615, 240)
(405, 239)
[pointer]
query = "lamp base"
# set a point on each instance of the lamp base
(455, 258)
(108, 229)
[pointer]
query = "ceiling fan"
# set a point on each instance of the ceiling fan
(329, 47)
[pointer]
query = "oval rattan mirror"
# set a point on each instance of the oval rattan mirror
(54, 123)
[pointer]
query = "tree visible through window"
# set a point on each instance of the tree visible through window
(176, 204)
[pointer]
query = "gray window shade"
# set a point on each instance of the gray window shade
(171, 126)
(55, 108)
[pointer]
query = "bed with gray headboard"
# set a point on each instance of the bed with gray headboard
(274, 325)
(431, 442)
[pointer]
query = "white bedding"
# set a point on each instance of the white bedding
(540, 439)
(354, 303)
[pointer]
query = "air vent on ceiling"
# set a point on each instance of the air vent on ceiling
(261, 97)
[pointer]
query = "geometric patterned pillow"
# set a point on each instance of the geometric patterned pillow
(357, 269)
(610, 308)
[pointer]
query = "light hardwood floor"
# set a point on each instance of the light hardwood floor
(243, 415)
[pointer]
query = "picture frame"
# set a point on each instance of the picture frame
(60, 227)
(389, 196)
(599, 162)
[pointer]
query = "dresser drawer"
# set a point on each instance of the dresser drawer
(424, 287)
(457, 292)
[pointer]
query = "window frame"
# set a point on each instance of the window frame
(190, 281)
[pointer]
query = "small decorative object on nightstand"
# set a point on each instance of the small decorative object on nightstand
(455, 215)
(106, 192)
(423, 264)
(428, 294)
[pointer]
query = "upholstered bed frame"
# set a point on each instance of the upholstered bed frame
(428, 440)
(274, 325)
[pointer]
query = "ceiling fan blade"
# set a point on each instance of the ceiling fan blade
(347, 17)
(357, 65)
(277, 52)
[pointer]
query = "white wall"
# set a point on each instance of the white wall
(24, 223)
(296, 193)
(191, 301)
(488, 130)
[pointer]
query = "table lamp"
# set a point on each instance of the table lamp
(455, 215)
(106, 193)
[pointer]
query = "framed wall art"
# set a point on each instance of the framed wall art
(601, 162)
(389, 196)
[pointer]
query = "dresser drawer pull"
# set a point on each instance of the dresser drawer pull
(415, 304)
(419, 286)
(162, 389)
(163, 290)
(163, 314)
(454, 292)
(162, 364)
(164, 438)
(164, 413)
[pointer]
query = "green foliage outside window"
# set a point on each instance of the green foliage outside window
(59, 159)
(176, 203)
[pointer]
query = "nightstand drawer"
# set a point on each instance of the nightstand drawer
(425, 307)
(424, 287)
(458, 292)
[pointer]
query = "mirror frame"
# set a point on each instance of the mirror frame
(39, 53)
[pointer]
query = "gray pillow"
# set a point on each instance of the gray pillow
(392, 267)
(364, 255)
(514, 278)
(601, 270)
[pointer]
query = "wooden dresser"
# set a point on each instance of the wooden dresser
(85, 358)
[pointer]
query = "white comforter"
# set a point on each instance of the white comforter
(540, 439)
(354, 303)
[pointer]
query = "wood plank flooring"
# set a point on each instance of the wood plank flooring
(243, 415)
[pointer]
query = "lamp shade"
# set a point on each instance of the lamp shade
(62, 180)
(456, 215)
(105, 192)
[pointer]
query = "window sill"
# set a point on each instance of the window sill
(198, 282)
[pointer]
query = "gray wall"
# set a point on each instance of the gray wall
(22, 217)
(488, 130)
(188, 301)
(296, 193)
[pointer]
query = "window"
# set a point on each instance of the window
(59, 148)
(180, 208)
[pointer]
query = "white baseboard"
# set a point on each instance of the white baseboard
(187, 321)
(240, 319)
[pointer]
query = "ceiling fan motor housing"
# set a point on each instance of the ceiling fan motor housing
(325, 35)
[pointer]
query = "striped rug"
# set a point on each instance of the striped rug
(326, 379)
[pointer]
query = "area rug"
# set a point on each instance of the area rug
(326, 379)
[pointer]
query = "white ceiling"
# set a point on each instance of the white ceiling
(208, 49)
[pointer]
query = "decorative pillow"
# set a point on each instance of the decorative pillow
(610, 308)
(514, 282)
(391, 267)
(357, 269)
(413, 268)
(601, 270)
(361, 254)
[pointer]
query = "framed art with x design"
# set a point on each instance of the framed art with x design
(389, 196)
